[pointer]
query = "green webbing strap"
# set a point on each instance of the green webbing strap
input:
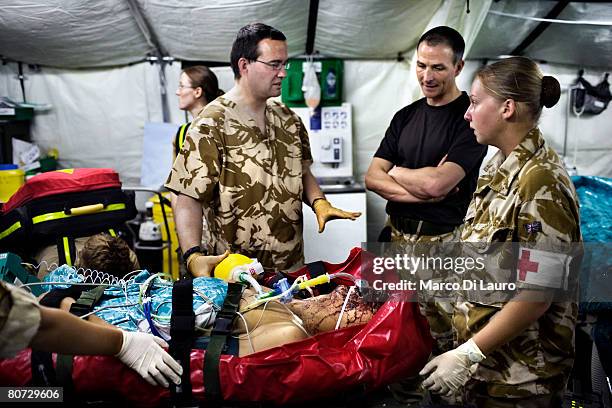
(221, 331)
(66, 251)
(63, 372)
(83, 305)
(87, 300)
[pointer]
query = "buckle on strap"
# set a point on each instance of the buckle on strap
(79, 309)
(419, 227)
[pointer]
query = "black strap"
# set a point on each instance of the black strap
(66, 251)
(316, 268)
(43, 372)
(63, 370)
(410, 226)
(218, 339)
(180, 138)
(182, 328)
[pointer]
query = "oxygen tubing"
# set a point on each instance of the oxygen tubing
(343, 275)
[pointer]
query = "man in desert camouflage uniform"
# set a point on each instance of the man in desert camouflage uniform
(246, 164)
(526, 198)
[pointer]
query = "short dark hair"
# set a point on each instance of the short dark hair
(247, 40)
(448, 36)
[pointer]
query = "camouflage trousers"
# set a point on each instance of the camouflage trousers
(438, 311)
(476, 395)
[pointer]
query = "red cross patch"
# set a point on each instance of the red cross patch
(543, 268)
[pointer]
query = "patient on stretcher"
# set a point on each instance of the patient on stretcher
(269, 324)
(144, 302)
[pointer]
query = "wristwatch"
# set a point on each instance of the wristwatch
(189, 252)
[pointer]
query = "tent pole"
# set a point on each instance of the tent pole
(313, 12)
(21, 80)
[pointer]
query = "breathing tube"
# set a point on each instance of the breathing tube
(283, 292)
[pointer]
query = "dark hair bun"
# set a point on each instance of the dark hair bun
(551, 91)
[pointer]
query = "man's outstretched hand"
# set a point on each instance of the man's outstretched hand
(325, 212)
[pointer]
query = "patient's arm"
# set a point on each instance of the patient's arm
(68, 301)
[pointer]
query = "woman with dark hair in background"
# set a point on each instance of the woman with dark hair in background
(517, 349)
(198, 86)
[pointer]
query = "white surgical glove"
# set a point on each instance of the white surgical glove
(452, 369)
(143, 352)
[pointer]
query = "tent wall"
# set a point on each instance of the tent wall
(98, 115)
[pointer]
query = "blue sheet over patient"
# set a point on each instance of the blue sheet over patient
(122, 305)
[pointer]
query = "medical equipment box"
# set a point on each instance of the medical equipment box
(330, 72)
(64, 203)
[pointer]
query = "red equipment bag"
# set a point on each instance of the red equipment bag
(394, 344)
(72, 202)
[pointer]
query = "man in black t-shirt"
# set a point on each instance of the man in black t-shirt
(427, 164)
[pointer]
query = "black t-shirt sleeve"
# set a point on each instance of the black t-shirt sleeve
(465, 150)
(389, 144)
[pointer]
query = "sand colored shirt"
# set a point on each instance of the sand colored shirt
(19, 319)
(526, 198)
(249, 182)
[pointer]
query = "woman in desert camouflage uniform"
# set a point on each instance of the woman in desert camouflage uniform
(518, 353)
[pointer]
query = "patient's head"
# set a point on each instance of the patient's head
(109, 254)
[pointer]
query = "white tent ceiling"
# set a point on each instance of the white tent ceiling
(76, 33)
(564, 42)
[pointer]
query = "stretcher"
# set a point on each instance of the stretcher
(64, 203)
(394, 344)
